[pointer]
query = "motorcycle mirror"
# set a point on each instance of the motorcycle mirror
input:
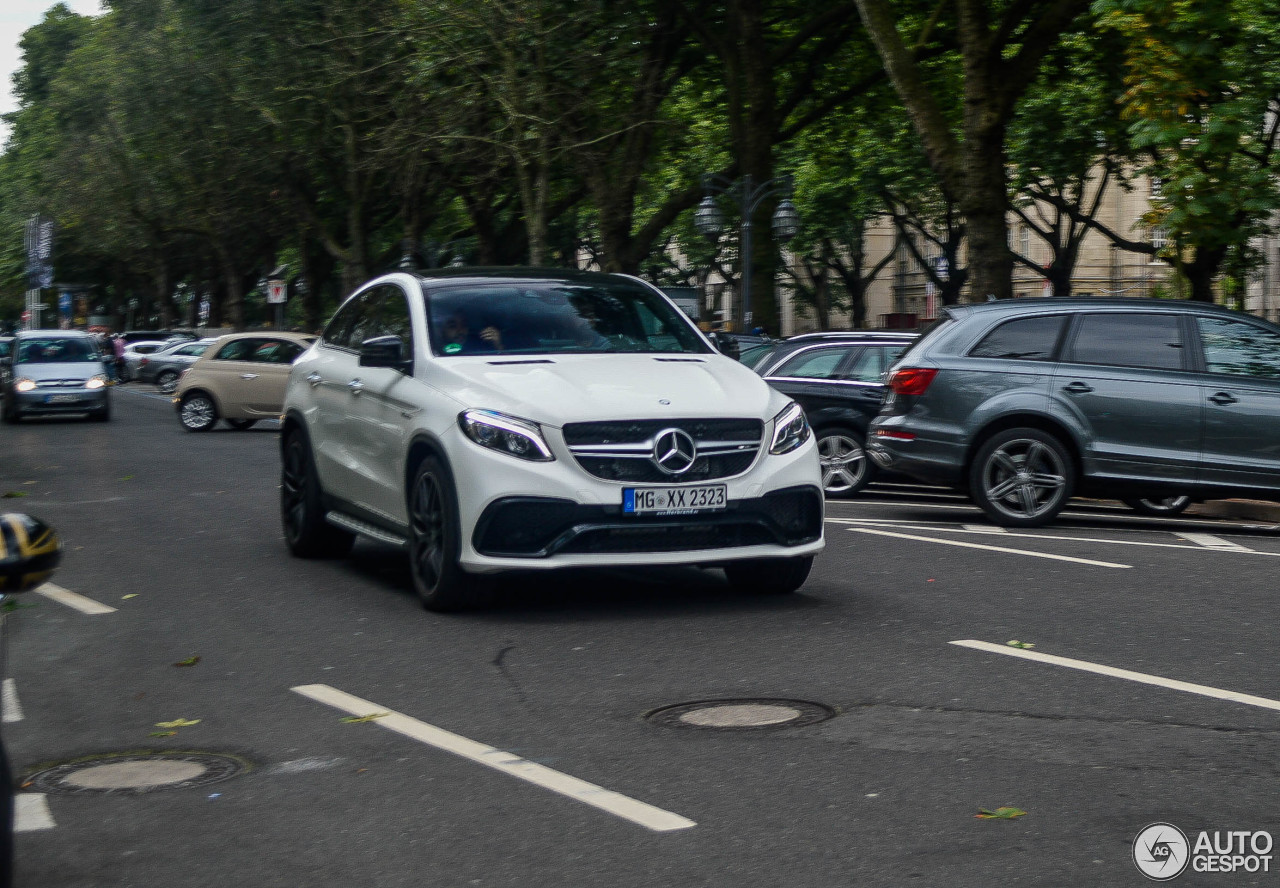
(30, 552)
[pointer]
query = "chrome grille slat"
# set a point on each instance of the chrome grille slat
(623, 450)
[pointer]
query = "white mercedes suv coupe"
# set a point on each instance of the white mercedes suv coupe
(499, 419)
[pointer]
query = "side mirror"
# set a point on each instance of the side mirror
(30, 552)
(726, 344)
(385, 351)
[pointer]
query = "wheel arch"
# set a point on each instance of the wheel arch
(422, 445)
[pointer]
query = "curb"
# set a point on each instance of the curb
(1251, 510)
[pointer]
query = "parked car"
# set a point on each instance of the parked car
(837, 379)
(535, 419)
(134, 352)
(165, 366)
(157, 335)
(55, 371)
(239, 378)
(6, 346)
(1027, 402)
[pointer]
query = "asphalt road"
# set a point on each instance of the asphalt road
(179, 534)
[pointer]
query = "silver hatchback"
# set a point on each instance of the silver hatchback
(55, 372)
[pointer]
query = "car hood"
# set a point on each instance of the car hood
(559, 389)
(80, 370)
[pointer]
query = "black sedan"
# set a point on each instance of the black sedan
(836, 378)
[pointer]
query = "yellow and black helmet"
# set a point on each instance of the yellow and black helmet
(29, 552)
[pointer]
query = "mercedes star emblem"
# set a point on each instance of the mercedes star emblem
(674, 451)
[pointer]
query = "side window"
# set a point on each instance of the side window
(1129, 340)
(393, 320)
(866, 366)
(1024, 339)
(355, 321)
(817, 363)
(275, 351)
(1239, 348)
(190, 350)
(237, 350)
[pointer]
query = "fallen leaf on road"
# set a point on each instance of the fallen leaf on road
(30, 482)
(15, 494)
(361, 719)
(130, 595)
(127, 478)
(1022, 645)
(179, 723)
(190, 661)
(11, 605)
(1002, 813)
(163, 734)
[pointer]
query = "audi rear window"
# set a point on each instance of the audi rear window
(1022, 339)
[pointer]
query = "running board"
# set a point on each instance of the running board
(364, 528)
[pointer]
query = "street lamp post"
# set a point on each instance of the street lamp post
(747, 196)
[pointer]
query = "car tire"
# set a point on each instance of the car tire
(1013, 495)
(198, 413)
(103, 415)
(306, 533)
(435, 543)
(241, 425)
(846, 468)
(1159, 507)
(769, 576)
(167, 381)
(10, 413)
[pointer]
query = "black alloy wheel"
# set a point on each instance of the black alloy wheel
(434, 544)
(198, 412)
(306, 533)
(1022, 477)
(769, 576)
(1159, 507)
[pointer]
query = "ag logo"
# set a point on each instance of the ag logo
(1161, 851)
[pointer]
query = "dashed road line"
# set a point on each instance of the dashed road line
(1141, 677)
(1209, 541)
(614, 803)
(74, 600)
(9, 704)
(31, 812)
(1008, 551)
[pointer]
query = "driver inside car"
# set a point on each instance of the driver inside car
(457, 338)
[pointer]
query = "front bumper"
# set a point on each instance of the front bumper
(40, 402)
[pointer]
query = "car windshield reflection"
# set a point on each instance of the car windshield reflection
(556, 318)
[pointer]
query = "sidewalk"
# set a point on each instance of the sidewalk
(1249, 510)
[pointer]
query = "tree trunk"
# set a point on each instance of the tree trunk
(985, 205)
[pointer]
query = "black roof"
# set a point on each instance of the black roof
(1077, 303)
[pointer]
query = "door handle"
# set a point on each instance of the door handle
(248, 375)
(315, 379)
(1078, 388)
(355, 386)
(1222, 399)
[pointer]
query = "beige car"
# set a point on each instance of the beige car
(240, 378)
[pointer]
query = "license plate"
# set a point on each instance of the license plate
(61, 399)
(673, 500)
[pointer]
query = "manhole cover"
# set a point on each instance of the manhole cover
(740, 714)
(135, 772)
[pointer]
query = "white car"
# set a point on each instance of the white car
(533, 418)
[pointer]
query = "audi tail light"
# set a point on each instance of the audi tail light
(911, 380)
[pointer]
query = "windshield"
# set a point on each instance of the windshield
(556, 317)
(56, 350)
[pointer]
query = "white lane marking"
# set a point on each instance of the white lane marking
(31, 812)
(1110, 516)
(1212, 542)
(614, 803)
(980, 529)
(73, 600)
(1141, 677)
(9, 704)
(923, 539)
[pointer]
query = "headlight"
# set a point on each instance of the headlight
(790, 429)
(96, 382)
(25, 385)
(507, 434)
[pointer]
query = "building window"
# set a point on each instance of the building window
(1157, 186)
(1159, 237)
